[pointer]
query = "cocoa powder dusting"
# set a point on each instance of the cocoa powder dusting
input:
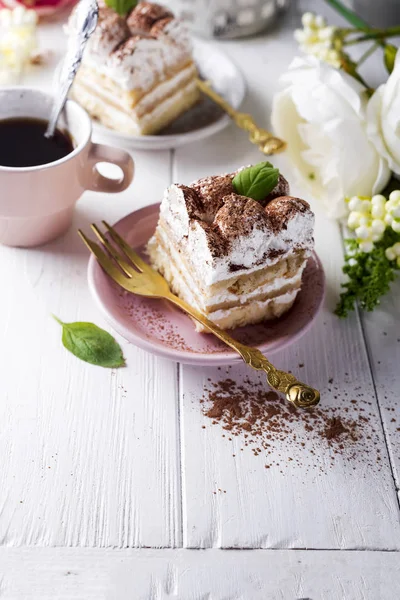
(267, 425)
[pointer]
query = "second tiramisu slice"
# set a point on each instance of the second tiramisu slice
(137, 73)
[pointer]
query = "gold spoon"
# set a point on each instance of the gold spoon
(265, 140)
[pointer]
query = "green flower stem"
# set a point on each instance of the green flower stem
(349, 15)
(367, 54)
(375, 35)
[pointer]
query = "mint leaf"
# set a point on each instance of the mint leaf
(91, 344)
(256, 182)
(122, 7)
(389, 53)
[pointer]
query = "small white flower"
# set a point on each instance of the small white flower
(300, 36)
(319, 21)
(378, 212)
(354, 220)
(17, 41)
(327, 33)
(395, 212)
(355, 204)
(396, 248)
(378, 200)
(362, 232)
(388, 219)
(366, 246)
(365, 206)
(396, 226)
(390, 254)
(308, 19)
(365, 220)
(395, 197)
(378, 226)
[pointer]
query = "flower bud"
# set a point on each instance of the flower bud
(366, 246)
(355, 203)
(362, 232)
(354, 220)
(378, 200)
(378, 226)
(396, 226)
(395, 197)
(389, 253)
(396, 248)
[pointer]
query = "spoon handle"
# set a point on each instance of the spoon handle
(57, 107)
(87, 17)
(266, 141)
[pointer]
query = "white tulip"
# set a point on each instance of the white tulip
(321, 115)
(383, 116)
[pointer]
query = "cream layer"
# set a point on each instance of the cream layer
(94, 83)
(253, 312)
(235, 290)
(212, 270)
(182, 282)
(117, 119)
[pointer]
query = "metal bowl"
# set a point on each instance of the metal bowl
(225, 19)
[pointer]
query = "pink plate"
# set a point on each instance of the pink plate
(158, 327)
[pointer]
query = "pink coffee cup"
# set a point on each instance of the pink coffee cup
(37, 203)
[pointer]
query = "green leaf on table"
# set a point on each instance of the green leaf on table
(257, 181)
(91, 344)
(389, 56)
(122, 7)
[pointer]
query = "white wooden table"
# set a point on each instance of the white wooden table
(107, 477)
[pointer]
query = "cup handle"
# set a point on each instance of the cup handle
(97, 182)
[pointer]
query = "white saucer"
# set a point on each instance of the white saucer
(224, 77)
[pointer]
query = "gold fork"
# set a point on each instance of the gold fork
(133, 274)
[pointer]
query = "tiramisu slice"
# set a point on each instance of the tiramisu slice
(237, 259)
(137, 73)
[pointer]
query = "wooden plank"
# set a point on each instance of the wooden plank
(382, 332)
(72, 574)
(346, 504)
(90, 456)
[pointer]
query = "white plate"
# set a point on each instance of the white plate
(224, 77)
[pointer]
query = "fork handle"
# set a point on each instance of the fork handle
(298, 393)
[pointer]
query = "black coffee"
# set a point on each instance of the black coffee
(22, 143)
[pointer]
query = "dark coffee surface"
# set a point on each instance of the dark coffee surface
(22, 143)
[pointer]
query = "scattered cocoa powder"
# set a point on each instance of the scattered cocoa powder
(270, 427)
